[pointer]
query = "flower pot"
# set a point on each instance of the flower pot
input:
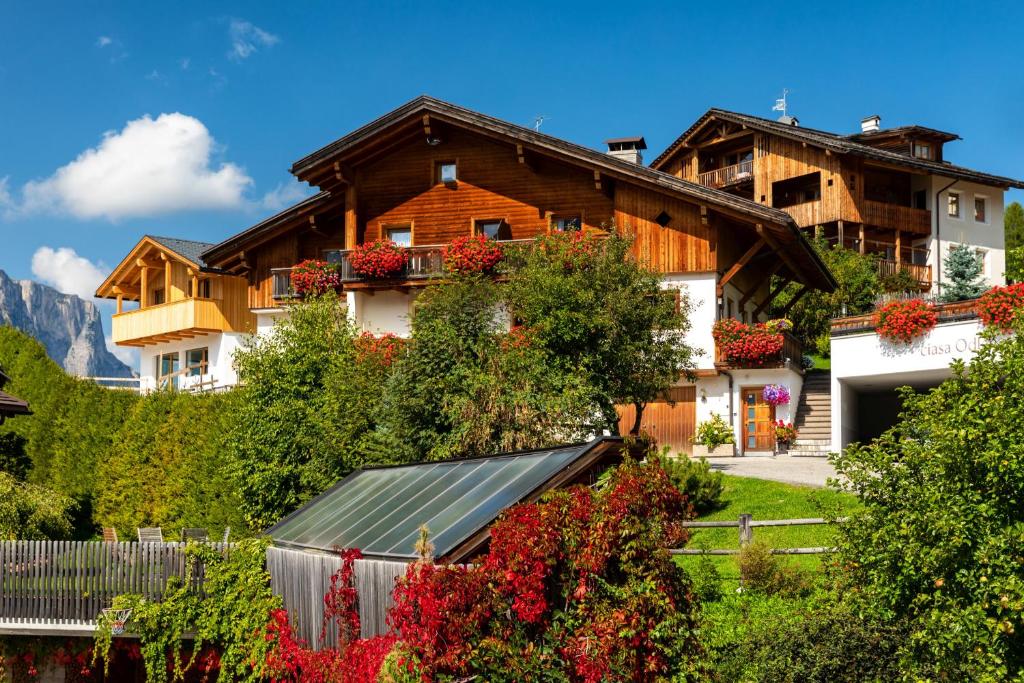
(722, 451)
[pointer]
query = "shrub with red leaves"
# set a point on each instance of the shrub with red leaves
(384, 348)
(903, 321)
(749, 346)
(379, 259)
(476, 254)
(312, 277)
(999, 307)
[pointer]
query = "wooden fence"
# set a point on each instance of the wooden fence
(71, 582)
(746, 524)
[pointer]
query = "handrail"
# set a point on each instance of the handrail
(719, 177)
(896, 216)
(165, 304)
(948, 312)
(746, 525)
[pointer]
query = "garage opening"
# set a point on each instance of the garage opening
(670, 421)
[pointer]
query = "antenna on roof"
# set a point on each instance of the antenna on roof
(539, 121)
(781, 105)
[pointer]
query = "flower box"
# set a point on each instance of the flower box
(901, 322)
(721, 451)
(749, 346)
(466, 255)
(379, 259)
(312, 277)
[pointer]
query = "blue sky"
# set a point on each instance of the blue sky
(247, 88)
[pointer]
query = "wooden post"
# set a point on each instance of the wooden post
(351, 217)
(863, 246)
(899, 247)
(144, 288)
(120, 303)
(167, 278)
(842, 239)
(746, 531)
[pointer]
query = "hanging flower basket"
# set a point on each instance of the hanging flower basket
(776, 395)
(312, 277)
(379, 259)
(999, 307)
(902, 322)
(476, 254)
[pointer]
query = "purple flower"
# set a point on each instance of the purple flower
(776, 394)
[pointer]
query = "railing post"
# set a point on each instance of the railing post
(746, 531)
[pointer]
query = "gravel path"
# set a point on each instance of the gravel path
(807, 470)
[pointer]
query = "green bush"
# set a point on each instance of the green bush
(714, 432)
(706, 580)
(31, 512)
(695, 478)
(763, 572)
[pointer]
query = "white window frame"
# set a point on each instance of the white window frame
(988, 207)
(959, 215)
(926, 146)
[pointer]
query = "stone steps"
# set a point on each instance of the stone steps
(813, 419)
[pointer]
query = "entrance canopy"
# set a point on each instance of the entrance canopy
(380, 510)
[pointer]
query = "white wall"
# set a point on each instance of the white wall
(384, 311)
(859, 359)
(713, 395)
(221, 371)
(701, 290)
(989, 236)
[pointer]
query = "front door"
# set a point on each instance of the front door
(758, 422)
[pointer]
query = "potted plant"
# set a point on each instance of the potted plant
(476, 254)
(901, 322)
(785, 435)
(714, 438)
(312, 277)
(379, 259)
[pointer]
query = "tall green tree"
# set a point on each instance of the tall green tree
(857, 289)
(938, 542)
(963, 269)
(1013, 225)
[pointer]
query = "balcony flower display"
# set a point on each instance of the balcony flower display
(903, 321)
(471, 254)
(1000, 306)
(776, 395)
(312, 277)
(751, 346)
(385, 348)
(379, 259)
(785, 433)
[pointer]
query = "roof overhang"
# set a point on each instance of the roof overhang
(120, 280)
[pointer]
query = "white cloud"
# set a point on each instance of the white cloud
(103, 41)
(6, 200)
(184, 63)
(66, 271)
(285, 194)
(150, 167)
(155, 75)
(247, 39)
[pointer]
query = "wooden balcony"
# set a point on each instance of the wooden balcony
(792, 351)
(728, 175)
(896, 217)
(807, 214)
(171, 321)
(921, 273)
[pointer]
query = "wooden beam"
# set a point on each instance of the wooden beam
(120, 303)
(144, 288)
(771, 297)
(125, 290)
(839, 231)
(521, 157)
(167, 280)
(351, 217)
(899, 247)
(796, 297)
(747, 255)
(860, 240)
(797, 273)
(148, 263)
(703, 214)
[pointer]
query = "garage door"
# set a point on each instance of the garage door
(669, 425)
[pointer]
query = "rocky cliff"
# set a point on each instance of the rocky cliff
(67, 326)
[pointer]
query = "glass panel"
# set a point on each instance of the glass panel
(567, 223)
(196, 360)
(490, 229)
(751, 441)
(448, 172)
(401, 236)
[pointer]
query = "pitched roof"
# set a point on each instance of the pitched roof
(11, 405)
(380, 510)
(841, 144)
(905, 130)
(190, 250)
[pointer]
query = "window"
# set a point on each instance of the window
(399, 234)
(983, 260)
(805, 188)
(493, 228)
(158, 296)
(920, 199)
(166, 364)
(447, 172)
(332, 255)
(566, 223)
(979, 210)
(953, 206)
(204, 290)
(197, 361)
(922, 150)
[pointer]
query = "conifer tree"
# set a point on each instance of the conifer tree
(963, 270)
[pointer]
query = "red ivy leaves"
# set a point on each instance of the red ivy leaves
(379, 259)
(385, 348)
(312, 277)
(476, 254)
(748, 345)
(999, 307)
(903, 321)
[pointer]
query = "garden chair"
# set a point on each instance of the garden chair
(151, 534)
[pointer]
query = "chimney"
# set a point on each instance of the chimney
(627, 149)
(787, 120)
(871, 124)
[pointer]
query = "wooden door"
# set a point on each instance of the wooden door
(671, 425)
(758, 421)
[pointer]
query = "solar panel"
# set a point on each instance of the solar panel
(380, 510)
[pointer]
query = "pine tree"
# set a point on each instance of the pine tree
(963, 269)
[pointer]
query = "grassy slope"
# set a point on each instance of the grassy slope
(770, 500)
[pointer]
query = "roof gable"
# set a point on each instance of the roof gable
(188, 252)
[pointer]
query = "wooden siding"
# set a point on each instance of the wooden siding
(776, 158)
(684, 245)
(904, 218)
(670, 425)
(228, 312)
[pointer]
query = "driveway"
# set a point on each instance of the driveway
(807, 470)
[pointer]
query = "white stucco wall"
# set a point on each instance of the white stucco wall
(988, 236)
(700, 287)
(221, 348)
(384, 311)
(862, 359)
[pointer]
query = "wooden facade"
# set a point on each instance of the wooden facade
(671, 421)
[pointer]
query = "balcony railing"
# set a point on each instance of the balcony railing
(948, 313)
(792, 351)
(152, 322)
(896, 217)
(921, 273)
(728, 175)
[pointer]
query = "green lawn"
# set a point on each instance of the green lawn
(770, 500)
(820, 362)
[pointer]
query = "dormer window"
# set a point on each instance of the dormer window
(922, 150)
(447, 172)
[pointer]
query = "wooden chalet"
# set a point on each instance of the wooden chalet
(870, 191)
